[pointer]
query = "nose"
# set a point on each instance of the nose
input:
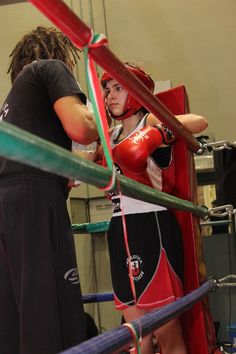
(111, 94)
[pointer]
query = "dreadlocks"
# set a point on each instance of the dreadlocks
(42, 43)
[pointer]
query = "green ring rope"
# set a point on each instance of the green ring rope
(90, 228)
(24, 147)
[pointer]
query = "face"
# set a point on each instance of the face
(115, 97)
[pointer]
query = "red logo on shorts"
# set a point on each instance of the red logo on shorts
(136, 266)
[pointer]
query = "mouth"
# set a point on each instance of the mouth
(112, 105)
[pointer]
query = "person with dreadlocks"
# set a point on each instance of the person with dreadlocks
(147, 265)
(41, 310)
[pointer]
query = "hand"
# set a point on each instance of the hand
(132, 153)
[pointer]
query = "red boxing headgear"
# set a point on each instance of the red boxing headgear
(132, 106)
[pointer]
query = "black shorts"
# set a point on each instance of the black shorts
(41, 309)
(156, 256)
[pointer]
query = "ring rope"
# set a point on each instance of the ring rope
(221, 282)
(103, 297)
(136, 338)
(98, 104)
(97, 297)
(120, 337)
(100, 226)
(103, 226)
(22, 146)
(96, 98)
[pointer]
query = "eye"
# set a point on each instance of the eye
(119, 88)
(106, 93)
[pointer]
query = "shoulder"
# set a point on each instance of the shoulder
(56, 77)
(47, 67)
(44, 63)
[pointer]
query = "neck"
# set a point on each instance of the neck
(130, 123)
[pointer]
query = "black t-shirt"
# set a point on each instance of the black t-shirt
(29, 105)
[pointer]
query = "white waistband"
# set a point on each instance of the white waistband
(132, 206)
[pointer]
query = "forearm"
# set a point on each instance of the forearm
(78, 123)
(193, 122)
(82, 126)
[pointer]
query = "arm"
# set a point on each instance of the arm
(78, 123)
(192, 122)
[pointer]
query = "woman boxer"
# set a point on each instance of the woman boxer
(142, 150)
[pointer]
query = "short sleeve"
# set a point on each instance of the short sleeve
(59, 82)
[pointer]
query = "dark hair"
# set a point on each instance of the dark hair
(42, 43)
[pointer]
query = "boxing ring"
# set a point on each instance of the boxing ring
(27, 148)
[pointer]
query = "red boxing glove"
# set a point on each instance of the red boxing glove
(132, 153)
(167, 134)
